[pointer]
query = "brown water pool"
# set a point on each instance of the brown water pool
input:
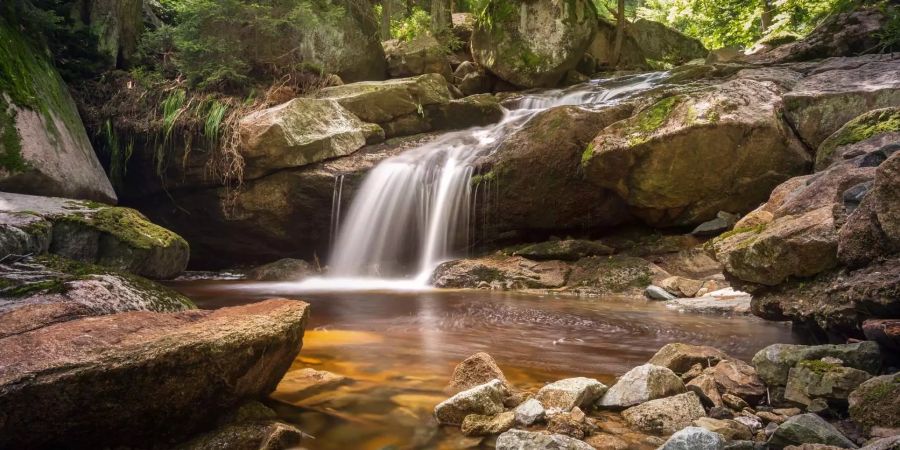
(400, 349)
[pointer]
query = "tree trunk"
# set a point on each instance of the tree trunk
(766, 17)
(387, 10)
(440, 15)
(620, 34)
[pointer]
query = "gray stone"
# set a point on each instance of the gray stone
(665, 415)
(657, 293)
(486, 399)
(571, 392)
(888, 443)
(680, 357)
(811, 379)
(694, 438)
(641, 384)
(808, 429)
(722, 223)
(774, 362)
(529, 412)
(530, 440)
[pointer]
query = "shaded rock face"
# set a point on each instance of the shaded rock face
(873, 229)
(118, 24)
(661, 43)
(300, 132)
(808, 429)
(874, 402)
(119, 238)
(44, 290)
(601, 47)
(688, 156)
(285, 269)
(424, 54)
(510, 273)
(363, 57)
(681, 357)
(823, 102)
(142, 376)
(47, 151)
(533, 44)
(534, 182)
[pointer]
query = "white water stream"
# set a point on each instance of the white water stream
(413, 210)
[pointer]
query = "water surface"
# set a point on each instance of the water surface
(400, 348)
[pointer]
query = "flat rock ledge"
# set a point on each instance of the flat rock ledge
(142, 376)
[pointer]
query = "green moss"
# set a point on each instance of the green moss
(127, 225)
(859, 129)
(587, 154)
(10, 142)
(484, 177)
(484, 273)
(818, 366)
(33, 288)
(650, 119)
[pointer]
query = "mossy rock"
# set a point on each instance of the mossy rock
(115, 237)
(863, 127)
(613, 274)
(876, 403)
(566, 250)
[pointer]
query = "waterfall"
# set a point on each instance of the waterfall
(413, 210)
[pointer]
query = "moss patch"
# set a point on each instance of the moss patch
(818, 366)
(10, 142)
(587, 154)
(859, 129)
(645, 123)
(127, 225)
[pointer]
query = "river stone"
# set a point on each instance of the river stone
(423, 54)
(533, 44)
(296, 133)
(823, 102)
(512, 272)
(665, 415)
(306, 382)
(475, 370)
(811, 379)
(808, 429)
(532, 440)
(614, 275)
(571, 392)
(680, 357)
(566, 250)
(681, 286)
(750, 421)
(739, 378)
(729, 429)
(529, 412)
(731, 129)
(118, 238)
(485, 399)
(694, 438)
(48, 151)
(641, 384)
(875, 402)
(142, 376)
(706, 389)
(478, 425)
(774, 362)
(285, 269)
(657, 293)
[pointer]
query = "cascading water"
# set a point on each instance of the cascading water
(410, 210)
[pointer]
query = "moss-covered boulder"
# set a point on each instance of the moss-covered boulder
(875, 402)
(44, 149)
(423, 54)
(285, 269)
(868, 133)
(818, 379)
(115, 237)
(688, 156)
(533, 44)
(663, 44)
(774, 363)
(44, 290)
(299, 132)
(566, 250)
(823, 102)
(142, 378)
(872, 231)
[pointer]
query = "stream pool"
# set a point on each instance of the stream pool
(400, 349)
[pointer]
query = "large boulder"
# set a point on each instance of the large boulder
(39, 291)
(45, 148)
(485, 399)
(665, 415)
(361, 55)
(501, 272)
(600, 50)
(773, 363)
(423, 54)
(570, 393)
(534, 176)
(688, 156)
(808, 429)
(823, 102)
(296, 133)
(663, 44)
(141, 377)
(613, 275)
(115, 237)
(874, 402)
(533, 44)
(869, 133)
(642, 384)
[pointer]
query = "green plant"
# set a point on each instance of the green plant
(418, 23)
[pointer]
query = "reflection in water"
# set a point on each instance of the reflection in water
(401, 348)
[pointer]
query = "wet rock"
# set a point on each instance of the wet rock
(740, 379)
(604, 441)
(886, 332)
(478, 425)
(565, 250)
(178, 369)
(694, 438)
(774, 362)
(573, 424)
(729, 429)
(681, 286)
(871, 232)
(706, 389)
(680, 357)
(665, 415)
(306, 382)
(868, 135)
(641, 384)
(657, 293)
(535, 45)
(874, 402)
(808, 429)
(650, 159)
(720, 412)
(473, 79)
(119, 238)
(724, 301)
(614, 274)
(529, 412)
(510, 272)
(745, 445)
(296, 133)
(258, 430)
(811, 379)
(285, 269)
(486, 400)
(531, 440)
(475, 370)
(423, 54)
(714, 227)
(571, 392)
